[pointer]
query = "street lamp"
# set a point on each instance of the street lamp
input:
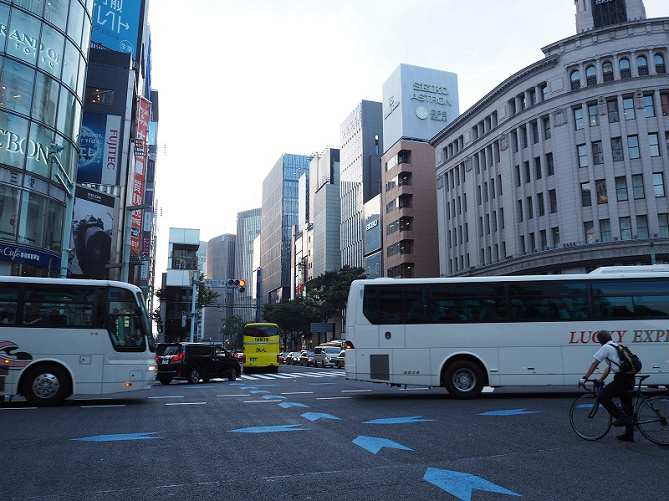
(125, 265)
(68, 185)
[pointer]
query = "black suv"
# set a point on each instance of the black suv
(195, 361)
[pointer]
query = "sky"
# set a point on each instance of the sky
(242, 82)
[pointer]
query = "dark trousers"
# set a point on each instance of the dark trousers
(621, 386)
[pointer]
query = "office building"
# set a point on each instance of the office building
(563, 166)
(248, 229)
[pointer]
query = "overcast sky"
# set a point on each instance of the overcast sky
(241, 82)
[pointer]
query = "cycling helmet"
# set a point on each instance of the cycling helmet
(603, 336)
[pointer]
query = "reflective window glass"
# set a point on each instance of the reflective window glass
(54, 226)
(37, 153)
(23, 41)
(56, 12)
(9, 208)
(70, 65)
(35, 6)
(51, 51)
(13, 135)
(4, 19)
(32, 219)
(45, 99)
(66, 113)
(75, 22)
(16, 86)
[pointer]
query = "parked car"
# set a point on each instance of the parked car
(340, 360)
(194, 362)
(282, 356)
(324, 355)
(307, 358)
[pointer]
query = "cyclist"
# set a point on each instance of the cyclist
(621, 386)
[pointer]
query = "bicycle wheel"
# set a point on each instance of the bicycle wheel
(588, 419)
(652, 419)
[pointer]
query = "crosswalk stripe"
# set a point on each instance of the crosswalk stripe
(292, 375)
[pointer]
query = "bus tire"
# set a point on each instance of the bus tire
(46, 385)
(464, 379)
(193, 376)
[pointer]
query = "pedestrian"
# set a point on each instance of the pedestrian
(621, 386)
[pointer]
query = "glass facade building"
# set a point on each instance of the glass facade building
(43, 62)
(279, 215)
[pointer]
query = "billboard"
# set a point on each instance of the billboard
(418, 103)
(116, 25)
(99, 151)
(92, 223)
(143, 114)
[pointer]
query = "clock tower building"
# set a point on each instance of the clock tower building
(595, 14)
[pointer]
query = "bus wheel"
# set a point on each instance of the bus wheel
(464, 379)
(47, 385)
(194, 376)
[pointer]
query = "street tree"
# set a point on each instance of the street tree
(293, 318)
(329, 291)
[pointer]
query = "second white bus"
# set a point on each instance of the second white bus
(63, 337)
(467, 333)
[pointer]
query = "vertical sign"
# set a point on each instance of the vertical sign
(99, 153)
(116, 25)
(141, 153)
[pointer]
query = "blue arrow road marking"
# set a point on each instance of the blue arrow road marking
(510, 412)
(286, 405)
(313, 416)
(319, 384)
(400, 420)
(461, 484)
(374, 444)
(119, 437)
(269, 429)
(253, 392)
(272, 397)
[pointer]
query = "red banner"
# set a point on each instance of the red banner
(141, 154)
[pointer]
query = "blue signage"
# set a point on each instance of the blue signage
(116, 25)
(27, 255)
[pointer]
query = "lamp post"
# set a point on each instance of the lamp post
(68, 185)
(125, 265)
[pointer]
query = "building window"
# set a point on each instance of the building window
(590, 76)
(637, 186)
(653, 144)
(642, 65)
(552, 200)
(633, 146)
(540, 204)
(586, 199)
(518, 179)
(550, 166)
(642, 227)
(617, 149)
(658, 184)
(593, 115)
(649, 106)
(555, 233)
(663, 224)
(575, 77)
(605, 230)
(537, 167)
(625, 228)
(578, 119)
(547, 127)
(582, 155)
(597, 153)
(664, 103)
(544, 91)
(99, 96)
(612, 109)
(528, 177)
(530, 208)
(520, 211)
(600, 186)
(607, 71)
(589, 228)
(535, 132)
(625, 71)
(621, 189)
(659, 64)
(628, 108)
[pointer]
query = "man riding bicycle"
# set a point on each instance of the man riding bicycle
(621, 386)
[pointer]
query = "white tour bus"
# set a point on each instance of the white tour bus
(62, 337)
(467, 333)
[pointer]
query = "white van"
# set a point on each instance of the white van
(325, 354)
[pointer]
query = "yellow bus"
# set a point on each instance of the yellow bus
(261, 347)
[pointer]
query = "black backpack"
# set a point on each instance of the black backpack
(630, 363)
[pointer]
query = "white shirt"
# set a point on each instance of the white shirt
(609, 352)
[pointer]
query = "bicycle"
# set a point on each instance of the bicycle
(591, 421)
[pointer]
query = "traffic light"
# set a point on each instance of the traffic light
(242, 285)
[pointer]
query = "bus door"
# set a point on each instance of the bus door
(390, 332)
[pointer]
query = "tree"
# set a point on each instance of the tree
(329, 291)
(206, 296)
(233, 329)
(293, 318)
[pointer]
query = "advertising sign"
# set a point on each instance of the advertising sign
(92, 223)
(141, 152)
(116, 24)
(99, 152)
(26, 255)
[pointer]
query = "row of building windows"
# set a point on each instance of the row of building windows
(627, 230)
(622, 192)
(623, 66)
(652, 146)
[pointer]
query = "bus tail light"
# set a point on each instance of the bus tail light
(127, 384)
(349, 345)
